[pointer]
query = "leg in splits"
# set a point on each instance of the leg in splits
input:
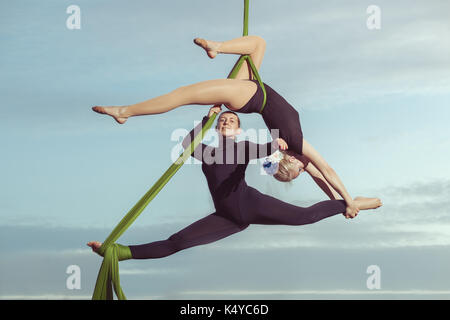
(254, 46)
(233, 93)
(209, 229)
(263, 209)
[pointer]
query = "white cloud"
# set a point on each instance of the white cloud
(322, 56)
(258, 293)
(337, 60)
(412, 216)
(148, 271)
(254, 294)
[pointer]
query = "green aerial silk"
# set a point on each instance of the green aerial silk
(249, 60)
(108, 276)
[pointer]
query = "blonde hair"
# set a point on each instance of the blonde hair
(284, 172)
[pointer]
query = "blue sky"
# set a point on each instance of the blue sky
(374, 103)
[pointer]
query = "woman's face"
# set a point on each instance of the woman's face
(228, 125)
(297, 166)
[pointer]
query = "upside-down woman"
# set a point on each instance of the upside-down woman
(244, 95)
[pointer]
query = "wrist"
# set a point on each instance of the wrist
(349, 201)
(276, 144)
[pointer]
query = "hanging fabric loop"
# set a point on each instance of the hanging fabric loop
(108, 276)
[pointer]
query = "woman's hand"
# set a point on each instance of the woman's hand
(282, 144)
(216, 109)
(351, 211)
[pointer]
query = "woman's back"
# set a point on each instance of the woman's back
(279, 115)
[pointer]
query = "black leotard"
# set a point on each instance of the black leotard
(277, 114)
(237, 204)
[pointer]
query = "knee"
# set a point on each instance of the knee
(243, 226)
(260, 40)
(305, 218)
(260, 43)
(180, 90)
(176, 242)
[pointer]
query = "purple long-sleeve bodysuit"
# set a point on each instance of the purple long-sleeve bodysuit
(237, 204)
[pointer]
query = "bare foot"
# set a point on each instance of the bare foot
(95, 245)
(364, 203)
(211, 47)
(115, 112)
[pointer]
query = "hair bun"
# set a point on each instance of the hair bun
(270, 165)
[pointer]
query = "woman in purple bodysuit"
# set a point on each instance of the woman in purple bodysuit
(237, 204)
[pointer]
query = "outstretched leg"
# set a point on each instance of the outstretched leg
(272, 211)
(204, 231)
(254, 46)
(264, 209)
(231, 92)
(209, 229)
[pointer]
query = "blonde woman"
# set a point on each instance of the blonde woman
(244, 95)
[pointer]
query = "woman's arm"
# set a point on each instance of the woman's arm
(330, 176)
(198, 152)
(320, 180)
(257, 151)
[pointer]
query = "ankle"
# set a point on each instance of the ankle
(124, 112)
(216, 46)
